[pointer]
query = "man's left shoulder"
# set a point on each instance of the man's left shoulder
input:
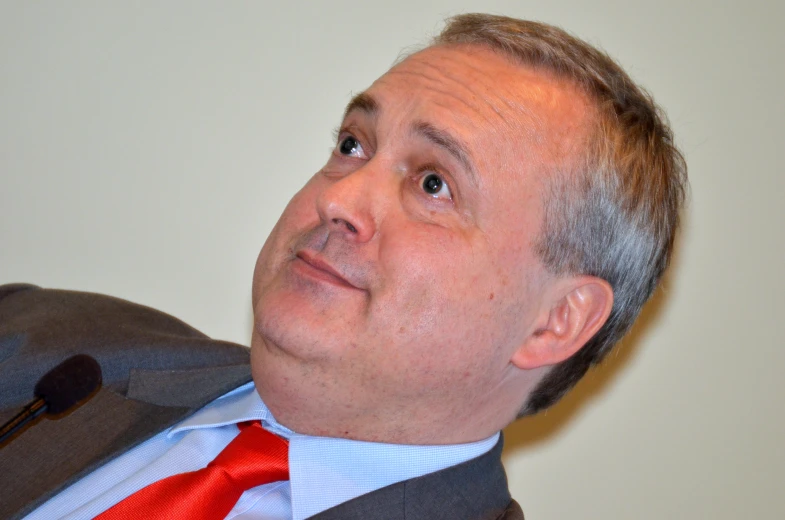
(473, 490)
(513, 512)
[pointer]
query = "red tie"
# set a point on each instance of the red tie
(253, 458)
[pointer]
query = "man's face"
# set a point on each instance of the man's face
(399, 281)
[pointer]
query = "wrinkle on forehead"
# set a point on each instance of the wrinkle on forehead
(485, 95)
(444, 81)
(510, 98)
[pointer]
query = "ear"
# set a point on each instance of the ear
(578, 307)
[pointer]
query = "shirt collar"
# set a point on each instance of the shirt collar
(240, 405)
(324, 471)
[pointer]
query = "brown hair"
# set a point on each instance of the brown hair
(614, 218)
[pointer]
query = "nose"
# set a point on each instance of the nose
(346, 205)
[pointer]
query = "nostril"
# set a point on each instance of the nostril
(348, 225)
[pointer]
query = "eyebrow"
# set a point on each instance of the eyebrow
(362, 102)
(449, 144)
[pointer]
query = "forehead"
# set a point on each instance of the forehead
(485, 100)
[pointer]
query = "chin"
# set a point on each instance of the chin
(302, 317)
(298, 326)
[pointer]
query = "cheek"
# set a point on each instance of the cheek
(432, 278)
(299, 216)
(454, 303)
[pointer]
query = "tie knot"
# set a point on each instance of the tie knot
(254, 457)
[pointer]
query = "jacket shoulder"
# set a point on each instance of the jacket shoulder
(513, 512)
(11, 288)
(39, 328)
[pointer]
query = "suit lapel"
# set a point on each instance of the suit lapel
(108, 425)
(476, 489)
(192, 388)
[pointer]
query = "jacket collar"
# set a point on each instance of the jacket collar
(106, 426)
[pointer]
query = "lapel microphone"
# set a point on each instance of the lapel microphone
(58, 391)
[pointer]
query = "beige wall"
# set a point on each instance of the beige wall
(146, 152)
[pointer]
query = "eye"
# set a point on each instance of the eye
(350, 146)
(434, 185)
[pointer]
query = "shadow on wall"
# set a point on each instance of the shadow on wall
(530, 431)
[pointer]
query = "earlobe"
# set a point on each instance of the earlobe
(581, 306)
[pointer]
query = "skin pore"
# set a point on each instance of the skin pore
(398, 298)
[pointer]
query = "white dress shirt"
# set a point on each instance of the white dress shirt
(323, 472)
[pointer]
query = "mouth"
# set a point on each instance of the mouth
(310, 265)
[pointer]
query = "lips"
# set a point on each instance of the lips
(314, 267)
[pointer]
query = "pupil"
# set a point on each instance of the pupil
(432, 184)
(348, 145)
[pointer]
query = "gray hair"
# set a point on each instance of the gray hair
(615, 216)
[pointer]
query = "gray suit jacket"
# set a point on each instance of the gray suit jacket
(157, 371)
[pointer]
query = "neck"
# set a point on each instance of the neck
(305, 399)
(324, 415)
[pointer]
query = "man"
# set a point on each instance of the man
(496, 210)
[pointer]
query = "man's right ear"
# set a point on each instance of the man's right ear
(579, 307)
